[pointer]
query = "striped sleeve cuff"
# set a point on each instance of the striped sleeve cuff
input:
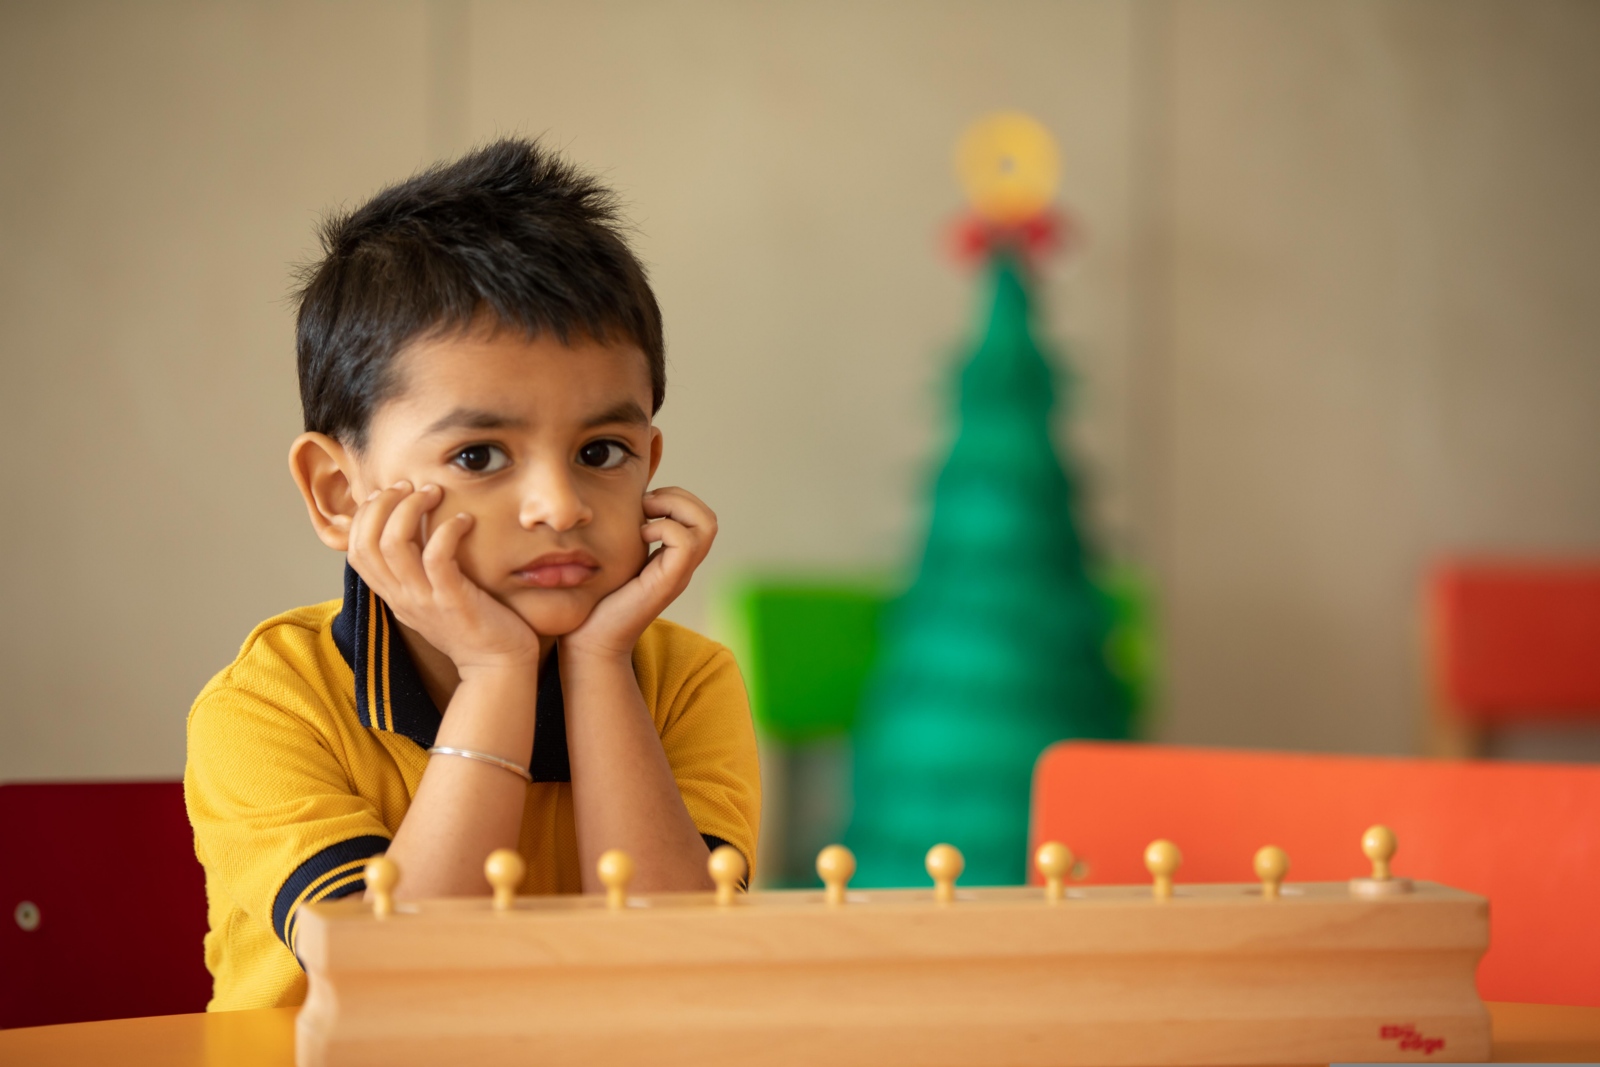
(336, 871)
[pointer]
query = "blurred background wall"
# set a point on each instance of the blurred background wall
(1331, 319)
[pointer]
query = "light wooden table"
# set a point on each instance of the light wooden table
(1525, 1033)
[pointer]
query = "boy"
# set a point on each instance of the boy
(480, 356)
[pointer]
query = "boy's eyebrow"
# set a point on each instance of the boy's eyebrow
(627, 411)
(476, 419)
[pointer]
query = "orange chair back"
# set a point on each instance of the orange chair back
(1516, 641)
(1526, 836)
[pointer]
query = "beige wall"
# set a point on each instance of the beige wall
(162, 166)
(1381, 341)
(1328, 320)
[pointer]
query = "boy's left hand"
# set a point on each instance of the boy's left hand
(685, 527)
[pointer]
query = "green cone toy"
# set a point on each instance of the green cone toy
(998, 649)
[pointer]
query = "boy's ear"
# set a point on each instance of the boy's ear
(655, 453)
(323, 469)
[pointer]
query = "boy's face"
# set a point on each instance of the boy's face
(548, 446)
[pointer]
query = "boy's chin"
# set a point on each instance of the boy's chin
(554, 612)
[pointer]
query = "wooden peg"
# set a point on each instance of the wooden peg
(835, 866)
(1379, 844)
(504, 869)
(1272, 864)
(727, 869)
(382, 875)
(944, 865)
(1161, 859)
(615, 868)
(1054, 861)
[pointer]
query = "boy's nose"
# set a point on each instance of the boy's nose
(550, 498)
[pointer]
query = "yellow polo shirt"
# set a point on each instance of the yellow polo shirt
(304, 755)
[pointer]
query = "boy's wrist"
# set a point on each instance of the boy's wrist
(492, 710)
(498, 680)
(580, 658)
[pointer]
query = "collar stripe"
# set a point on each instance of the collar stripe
(374, 662)
(383, 674)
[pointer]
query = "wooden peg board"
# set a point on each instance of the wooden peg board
(1109, 976)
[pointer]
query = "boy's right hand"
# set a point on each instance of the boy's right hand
(425, 587)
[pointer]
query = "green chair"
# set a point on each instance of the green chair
(806, 647)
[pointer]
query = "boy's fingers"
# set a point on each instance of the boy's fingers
(672, 534)
(401, 534)
(691, 515)
(679, 504)
(406, 518)
(397, 546)
(681, 548)
(663, 530)
(381, 505)
(365, 529)
(372, 517)
(439, 556)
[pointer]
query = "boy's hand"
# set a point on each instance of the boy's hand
(424, 586)
(685, 527)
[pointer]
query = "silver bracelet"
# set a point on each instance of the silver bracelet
(484, 757)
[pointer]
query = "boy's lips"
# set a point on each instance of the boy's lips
(557, 570)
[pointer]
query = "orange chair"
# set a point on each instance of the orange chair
(104, 903)
(1509, 644)
(1524, 835)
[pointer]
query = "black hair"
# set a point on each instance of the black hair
(510, 233)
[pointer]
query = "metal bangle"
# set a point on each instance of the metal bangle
(483, 757)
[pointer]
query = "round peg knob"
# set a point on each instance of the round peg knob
(835, 866)
(727, 868)
(615, 868)
(944, 865)
(1272, 864)
(1379, 844)
(504, 869)
(1161, 859)
(382, 875)
(1054, 861)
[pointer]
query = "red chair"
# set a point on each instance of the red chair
(1510, 644)
(104, 903)
(1525, 835)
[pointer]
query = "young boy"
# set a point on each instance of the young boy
(480, 357)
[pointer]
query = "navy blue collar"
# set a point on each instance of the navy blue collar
(389, 691)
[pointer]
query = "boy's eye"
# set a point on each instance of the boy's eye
(603, 455)
(481, 459)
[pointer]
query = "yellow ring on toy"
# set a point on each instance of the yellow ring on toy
(1009, 166)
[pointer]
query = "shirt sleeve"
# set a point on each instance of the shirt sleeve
(277, 823)
(706, 730)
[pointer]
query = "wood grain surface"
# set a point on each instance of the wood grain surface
(1111, 975)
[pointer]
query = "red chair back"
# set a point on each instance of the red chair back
(1516, 641)
(1527, 836)
(105, 875)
